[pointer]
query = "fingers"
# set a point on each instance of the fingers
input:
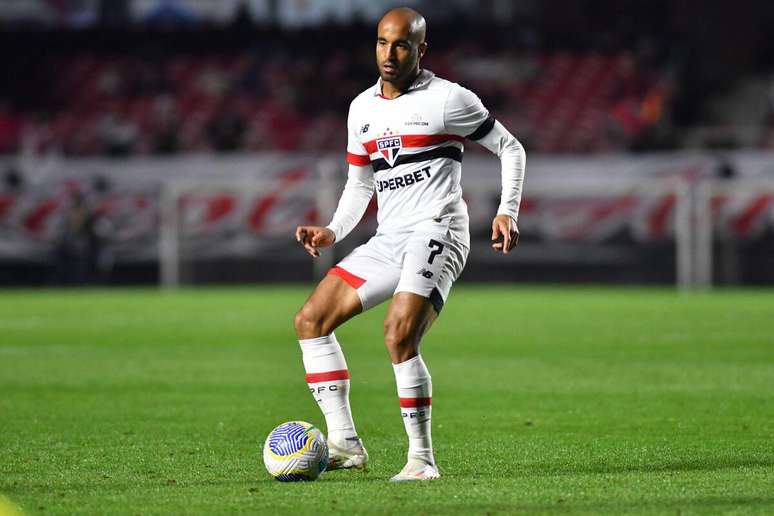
(310, 247)
(500, 229)
(302, 237)
(509, 232)
(506, 241)
(514, 237)
(495, 230)
(315, 242)
(312, 250)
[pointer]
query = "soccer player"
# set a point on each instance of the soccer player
(406, 138)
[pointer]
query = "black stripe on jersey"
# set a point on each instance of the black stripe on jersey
(483, 129)
(440, 152)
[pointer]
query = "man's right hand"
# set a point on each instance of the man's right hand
(313, 237)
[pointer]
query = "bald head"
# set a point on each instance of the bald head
(405, 19)
(400, 44)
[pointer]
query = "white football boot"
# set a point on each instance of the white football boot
(416, 470)
(349, 455)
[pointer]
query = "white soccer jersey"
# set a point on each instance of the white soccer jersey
(414, 143)
(409, 149)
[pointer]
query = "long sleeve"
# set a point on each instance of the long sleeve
(513, 162)
(353, 202)
(465, 115)
(360, 182)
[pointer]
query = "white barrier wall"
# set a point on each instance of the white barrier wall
(248, 205)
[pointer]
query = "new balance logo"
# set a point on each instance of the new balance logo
(426, 273)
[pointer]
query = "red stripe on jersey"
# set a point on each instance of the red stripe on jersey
(357, 159)
(414, 402)
(418, 140)
(328, 376)
(353, 281)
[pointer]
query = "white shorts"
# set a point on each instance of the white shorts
(425, 261)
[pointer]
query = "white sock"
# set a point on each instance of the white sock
(328, 379)
(415, 391)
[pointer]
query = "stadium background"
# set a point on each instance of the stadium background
(179, 142)
(628, 111)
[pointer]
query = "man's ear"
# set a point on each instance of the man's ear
(422, 49)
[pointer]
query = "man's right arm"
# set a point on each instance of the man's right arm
(352, 204)
(360, 179)
(354, 200)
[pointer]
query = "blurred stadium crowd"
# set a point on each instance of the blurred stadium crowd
(145, 77)
(124, 104)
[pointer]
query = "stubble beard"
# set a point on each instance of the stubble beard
(403, 80)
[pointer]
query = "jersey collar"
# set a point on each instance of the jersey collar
(422, 80)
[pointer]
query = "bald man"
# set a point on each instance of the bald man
(405, 141)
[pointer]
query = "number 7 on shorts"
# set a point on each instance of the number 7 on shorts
(437, 249)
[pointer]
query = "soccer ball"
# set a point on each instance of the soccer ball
(295, 451)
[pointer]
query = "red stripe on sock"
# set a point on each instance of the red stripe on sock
(328, 376)
(414, 402)
(353, 281)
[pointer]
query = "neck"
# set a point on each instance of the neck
(395, 89)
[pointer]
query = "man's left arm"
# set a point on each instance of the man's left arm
(465, 115)
(513, 162)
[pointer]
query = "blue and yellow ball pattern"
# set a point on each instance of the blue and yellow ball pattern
(295, 451)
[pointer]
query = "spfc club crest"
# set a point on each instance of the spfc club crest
(389, 147)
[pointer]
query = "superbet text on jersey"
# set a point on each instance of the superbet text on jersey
(414, 143)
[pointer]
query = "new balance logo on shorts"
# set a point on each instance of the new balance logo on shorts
(426, 273)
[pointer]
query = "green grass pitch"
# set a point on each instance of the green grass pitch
(546, 400)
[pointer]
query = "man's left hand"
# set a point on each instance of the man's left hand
(503, 226)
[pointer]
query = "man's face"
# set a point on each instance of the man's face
(397, 56)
